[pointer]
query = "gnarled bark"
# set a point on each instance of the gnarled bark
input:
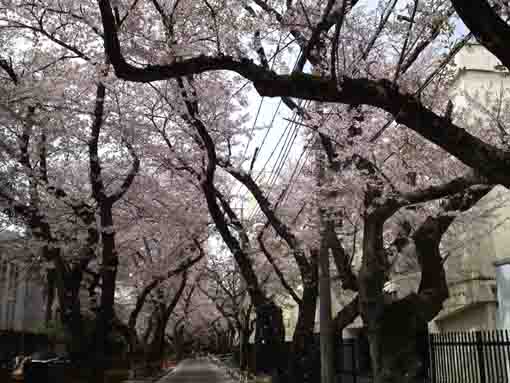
(396, 329)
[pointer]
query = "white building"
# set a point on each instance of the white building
(475, 241)
(481, 98)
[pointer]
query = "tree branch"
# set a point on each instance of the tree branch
(277, 270)
(346, 316)
(126, 184)
(341, 259)
(8, 68)
(94, 163)
(140, 301)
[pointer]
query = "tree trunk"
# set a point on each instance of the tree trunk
(179, 342)
(397, 330)
(395, 346)
(244, 344)
(269, 340)
(68, 282)
(303, 354)
(371, 283)
(108, 271)
(157, 346)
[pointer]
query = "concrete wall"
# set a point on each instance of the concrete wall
(477, 317)
(22, 298)
(479, 90)
(482, 236)
(475, 56)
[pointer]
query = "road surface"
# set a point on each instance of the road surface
(197, 371)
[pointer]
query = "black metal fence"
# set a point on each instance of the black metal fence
(454, 357)
(470, 357)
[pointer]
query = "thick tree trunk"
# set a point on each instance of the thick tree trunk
(393, 328)
(157, 346)
(396, 346)
(68, 282)
(396, 329)
(269, 340)
(179, 342)
(244, 344)
(303, 355)
(108, 272)
(371, 282)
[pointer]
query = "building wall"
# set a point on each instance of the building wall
(482, 236)
(475, 56)
(478, 317)
(22, 298)
(479, 239)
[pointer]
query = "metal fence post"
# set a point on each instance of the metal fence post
(481, 359)
(432, 356)
(354, 369)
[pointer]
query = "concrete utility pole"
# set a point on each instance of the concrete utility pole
(243, 353)
(326, 323)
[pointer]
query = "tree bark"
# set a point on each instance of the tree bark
(396, 329)
(109, 259)
(157, 346)
(303, 356)
(269, 339)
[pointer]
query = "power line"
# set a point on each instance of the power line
(287, 133)
(427, 82)
(253, 127)
(283, 155)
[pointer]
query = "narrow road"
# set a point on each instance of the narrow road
(196, 371)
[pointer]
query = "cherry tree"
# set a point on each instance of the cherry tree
(45, 127)
(381, 94)
(361, 88)
(162, 233)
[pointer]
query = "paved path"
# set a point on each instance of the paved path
(196, 371)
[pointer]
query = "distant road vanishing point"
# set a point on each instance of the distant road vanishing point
(197, 371)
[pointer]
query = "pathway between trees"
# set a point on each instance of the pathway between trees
(197, 371)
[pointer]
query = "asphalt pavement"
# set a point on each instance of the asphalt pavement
(197, 371)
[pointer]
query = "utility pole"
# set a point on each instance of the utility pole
(326, 323)
(243, 353)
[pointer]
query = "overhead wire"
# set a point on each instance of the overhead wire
(426, 83)
(283, 155)
(273, 59)
(279, 164)
(288, 132)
